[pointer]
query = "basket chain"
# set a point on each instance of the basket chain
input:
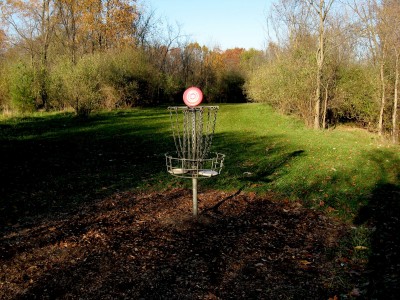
(193, 140)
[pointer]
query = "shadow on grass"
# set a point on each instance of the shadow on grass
(252, 161)
(382, 214)
(55, 163)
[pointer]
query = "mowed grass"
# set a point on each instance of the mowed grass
(52, 163)
(336, 169)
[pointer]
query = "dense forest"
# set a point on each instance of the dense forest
(326, 61)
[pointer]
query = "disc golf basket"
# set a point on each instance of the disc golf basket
(193, 130)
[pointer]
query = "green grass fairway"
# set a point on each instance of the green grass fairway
(335, 169)
(53, 162)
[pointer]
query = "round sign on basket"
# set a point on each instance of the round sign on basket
(192, 96)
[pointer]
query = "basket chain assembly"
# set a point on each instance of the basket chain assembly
(193, 130)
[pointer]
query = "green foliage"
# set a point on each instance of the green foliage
(4, 89)
(22, 79)
(129, 74)
(355, 95)
(230, 88)
(120, 79)
(103, 80)
(286, 84)
(81, 84)
(172, 86)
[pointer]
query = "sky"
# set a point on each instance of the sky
(223, 23)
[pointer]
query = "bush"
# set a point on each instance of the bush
(22, 79)
(119, 86)
(355, 95)
(229, 88)
(4, 90)
(78, 85)
(129, 77)
(286, 84)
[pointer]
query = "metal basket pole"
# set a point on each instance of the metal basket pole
(193, 131)
(194, 190)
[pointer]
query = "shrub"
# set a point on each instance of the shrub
(4, 90)
(355, 95)
(22, 87)
(128, 77)
(78, 85)
(286, 84)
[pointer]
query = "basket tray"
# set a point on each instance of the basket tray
(194, 168)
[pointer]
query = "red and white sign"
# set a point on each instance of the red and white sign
(192, 96)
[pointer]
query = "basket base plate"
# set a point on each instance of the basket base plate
(208, 173)
(177, 171)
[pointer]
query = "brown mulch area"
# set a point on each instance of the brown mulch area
(148, 246)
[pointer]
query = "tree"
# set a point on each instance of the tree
(390, 23)
(287, 79)
(377, 42)
(2, 41)
(81, 84)
(97, 24)
(321, 9)
(144, 26)
(395, 131)
(32, 25)
(68, 14)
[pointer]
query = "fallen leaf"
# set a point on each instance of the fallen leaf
(360, 248)
(330, 209)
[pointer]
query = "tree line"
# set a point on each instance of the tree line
(90, 54)
(333, 62)
(327, 61)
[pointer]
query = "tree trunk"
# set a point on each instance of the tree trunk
(325, 108)
(322, 11)
(383, 99)
(43, 70)
(317, 101)
(395, 134)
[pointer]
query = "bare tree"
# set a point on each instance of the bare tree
(370, 15)
(144, 26)
(395, 131)
(68, 15)
(32, 25)
(391, 24)
(321, 9)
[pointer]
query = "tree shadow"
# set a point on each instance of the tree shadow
(53, 171)
(251, 161)
(54, 163)
(381, 214)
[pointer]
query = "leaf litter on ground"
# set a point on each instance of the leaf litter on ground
(148, 246)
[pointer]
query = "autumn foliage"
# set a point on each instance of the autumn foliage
(95, 54)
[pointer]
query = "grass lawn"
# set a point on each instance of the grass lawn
(335, 169)
(62, 178)
(49, 161)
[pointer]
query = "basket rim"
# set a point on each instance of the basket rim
(200, 107)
